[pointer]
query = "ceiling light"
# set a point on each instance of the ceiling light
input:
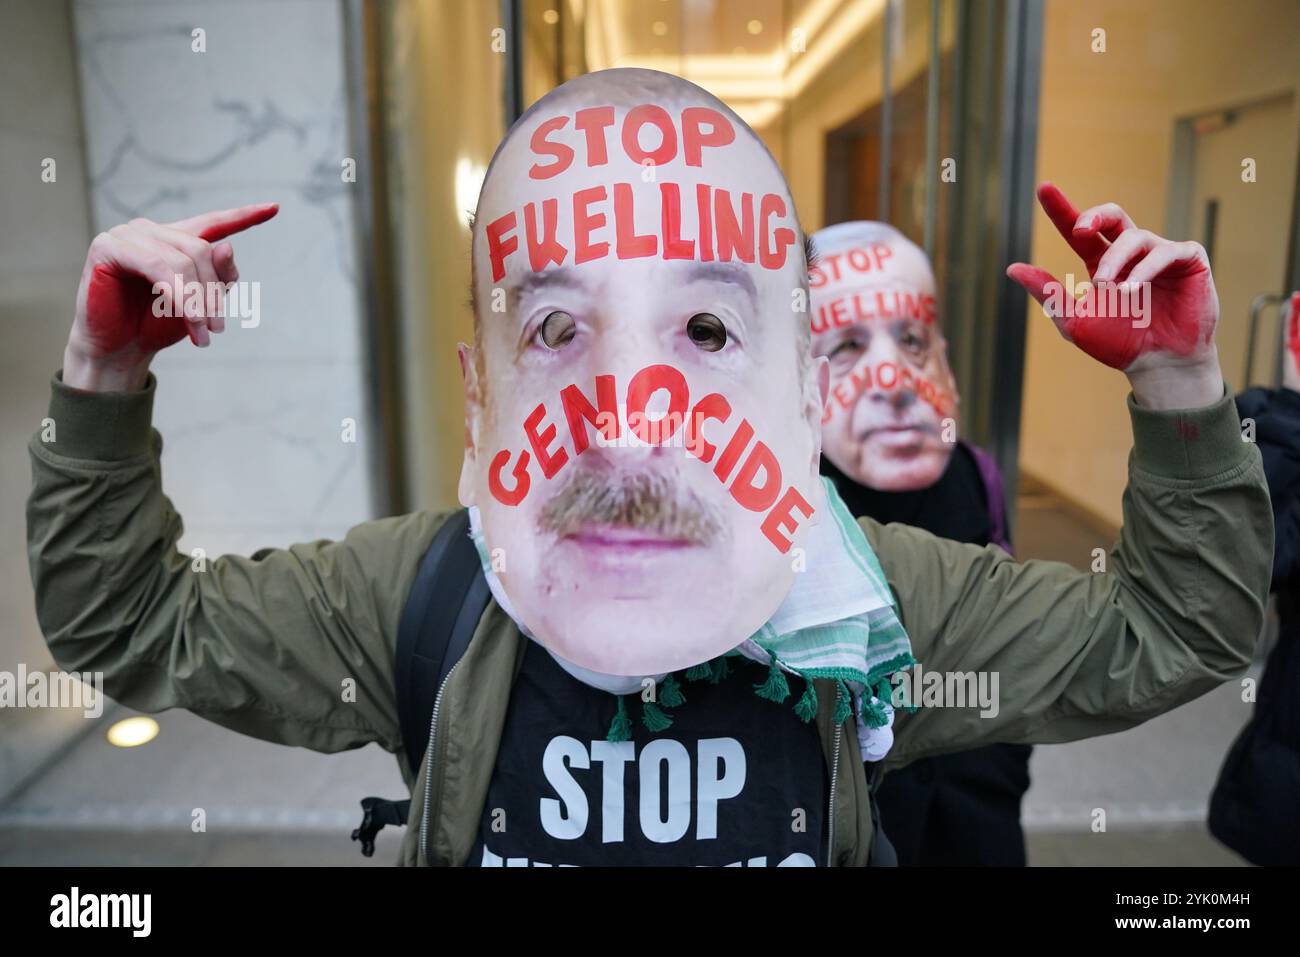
(133, 732)
(551, 17)
(660, 28)
(755, 27)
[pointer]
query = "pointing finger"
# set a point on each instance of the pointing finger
(1088, 246)
(226, 222)
(1040, 284)
(1032, 278)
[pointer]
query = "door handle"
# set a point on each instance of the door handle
(1257, 307)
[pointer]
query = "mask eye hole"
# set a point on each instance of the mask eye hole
(847, 350)
(914, 342)
(557, 330)
(707, 331)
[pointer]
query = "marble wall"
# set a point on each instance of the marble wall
(141, 124)
(44, 231)
(255, 450)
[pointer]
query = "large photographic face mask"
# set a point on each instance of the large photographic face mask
(890, 420)
(644, 453)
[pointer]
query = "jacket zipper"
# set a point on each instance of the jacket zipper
(428, 765)
(835, 772)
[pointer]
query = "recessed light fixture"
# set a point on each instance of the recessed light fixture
(755, 27)
(133, 732)
(551, 17)
(660, 28)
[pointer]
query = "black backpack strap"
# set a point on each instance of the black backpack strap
(442, 610)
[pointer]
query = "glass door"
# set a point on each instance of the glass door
(917, 112)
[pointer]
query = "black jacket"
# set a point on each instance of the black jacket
(1255, 807)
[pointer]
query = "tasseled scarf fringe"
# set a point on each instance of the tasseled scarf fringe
(871, 710)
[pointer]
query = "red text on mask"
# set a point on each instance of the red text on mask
(744, 228)
(875, 304)
(858, 261)
(886, 377)
(751, 469)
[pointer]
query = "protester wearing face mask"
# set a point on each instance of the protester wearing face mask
(889, 443)
(688, 654)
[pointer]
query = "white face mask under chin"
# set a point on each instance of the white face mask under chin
(805, 604)
(614, 684)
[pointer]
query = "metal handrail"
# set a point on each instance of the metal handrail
(1257, 307)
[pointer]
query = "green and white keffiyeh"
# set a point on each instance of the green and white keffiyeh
(838, 622)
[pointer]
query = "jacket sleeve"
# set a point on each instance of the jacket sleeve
(1068, 654)
(292, 645)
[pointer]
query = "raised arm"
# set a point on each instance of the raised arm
(292, 645)
(1177, 606)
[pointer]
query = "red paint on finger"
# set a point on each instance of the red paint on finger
(1089, 246)
(120, 312)
(1032, 278)
(256, 216)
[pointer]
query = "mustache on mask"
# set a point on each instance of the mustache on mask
(641, 501)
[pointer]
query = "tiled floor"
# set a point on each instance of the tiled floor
(1153, 781)
(266, 804)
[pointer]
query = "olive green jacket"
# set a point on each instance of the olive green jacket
(296, 645)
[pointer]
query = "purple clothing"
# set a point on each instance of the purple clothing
(995, 492)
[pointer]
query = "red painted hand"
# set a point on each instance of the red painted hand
(1291, 360)
(1176, 327)
(117, 328)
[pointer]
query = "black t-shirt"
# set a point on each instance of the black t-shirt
(954, 507)
(737, 780)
